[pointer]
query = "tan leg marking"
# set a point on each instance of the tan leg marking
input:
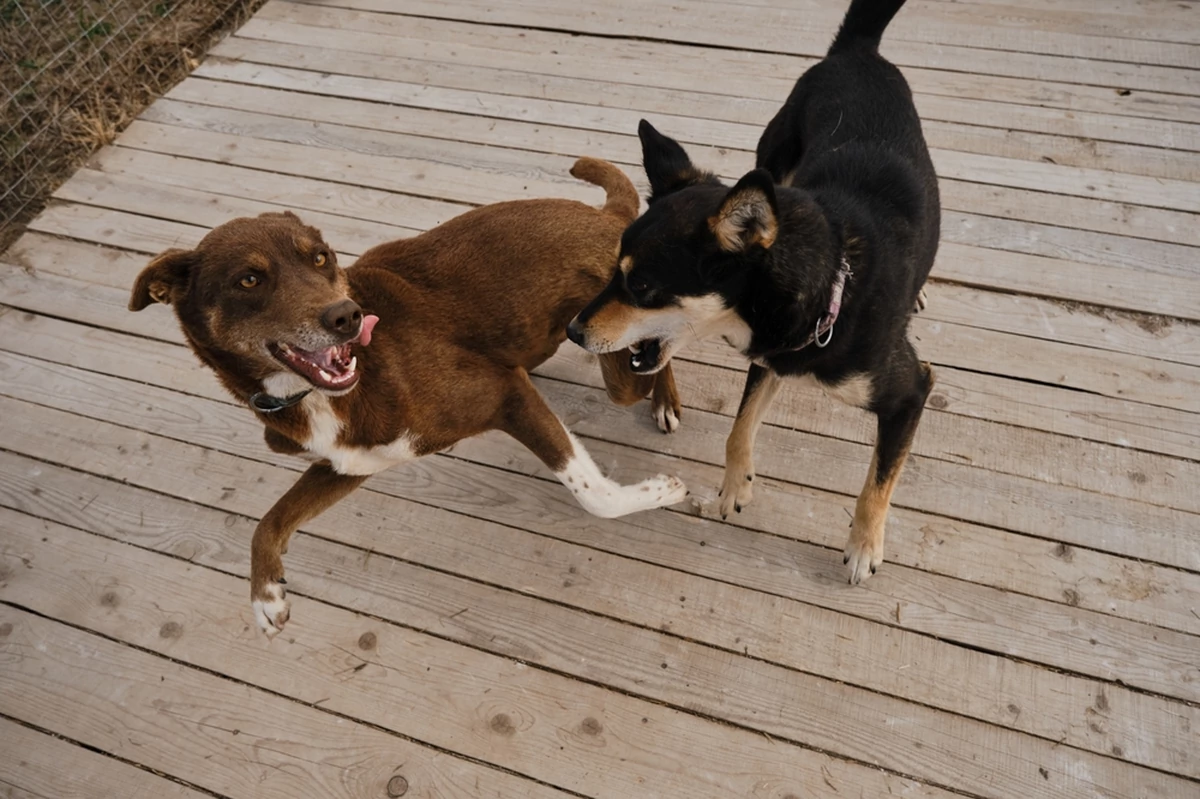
(738, 487)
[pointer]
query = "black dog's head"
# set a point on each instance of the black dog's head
(684, 264)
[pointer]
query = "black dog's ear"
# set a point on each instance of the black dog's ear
(161, 278)
(667, 165)
(748, 216)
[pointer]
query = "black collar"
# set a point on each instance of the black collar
(265, 403)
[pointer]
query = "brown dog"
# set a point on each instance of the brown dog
(465, 311)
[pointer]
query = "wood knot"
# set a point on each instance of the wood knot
(938, 402)
(1065, 552)
(109, 599)
(5, 630)
(171, 629)
(397, 786)
(591, 726)
(367, 641)
(501, 724)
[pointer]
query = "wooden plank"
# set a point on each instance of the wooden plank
(1101, 33)
(1058, 706)
(1069, 244)
(34, 765)
(1155, 659)
(199, 207)
(774, 34)
(495, 707)
(727, 71)
(978, 396)
(227, 737)
(961, 756)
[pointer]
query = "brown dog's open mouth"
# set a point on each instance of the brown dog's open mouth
(332, 368)
(644, 356)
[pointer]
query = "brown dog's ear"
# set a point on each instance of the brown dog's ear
(161, 278)
(749, 215)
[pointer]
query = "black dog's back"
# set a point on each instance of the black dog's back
(849, 133)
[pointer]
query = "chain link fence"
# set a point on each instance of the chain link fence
(75, 72)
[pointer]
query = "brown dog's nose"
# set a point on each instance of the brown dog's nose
(342, 317)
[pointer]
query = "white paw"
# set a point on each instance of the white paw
(272, 611)
(862, 557)
(736, 491)
(922, 301)
(666, 419)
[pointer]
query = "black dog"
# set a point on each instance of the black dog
(811, 265)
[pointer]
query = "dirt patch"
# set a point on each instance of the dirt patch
(74, 73)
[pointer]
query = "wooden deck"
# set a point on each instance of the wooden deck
(461, 628)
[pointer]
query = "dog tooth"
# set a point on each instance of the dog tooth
(325, 375)
(353, 364)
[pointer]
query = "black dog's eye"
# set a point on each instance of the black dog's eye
(249, 281)
(637, 284)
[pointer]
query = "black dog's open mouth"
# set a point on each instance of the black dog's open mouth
(643, 356)
(333, 368)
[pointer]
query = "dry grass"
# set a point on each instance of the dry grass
(73, 73)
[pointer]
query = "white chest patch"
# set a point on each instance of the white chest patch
(324, 428)
(856, 390)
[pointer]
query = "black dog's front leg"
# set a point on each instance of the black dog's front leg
(897, 424)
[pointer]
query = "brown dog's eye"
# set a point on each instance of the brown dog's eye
(249, 281)
(320, 259)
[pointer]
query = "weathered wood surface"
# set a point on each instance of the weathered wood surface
(458, 623)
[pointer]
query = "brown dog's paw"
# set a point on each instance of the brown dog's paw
(667, 418)
(271, 608)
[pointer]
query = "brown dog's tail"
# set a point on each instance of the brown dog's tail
(622, 196)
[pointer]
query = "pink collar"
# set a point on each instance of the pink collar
(823, 333)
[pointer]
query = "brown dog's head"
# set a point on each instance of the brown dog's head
(262, 299)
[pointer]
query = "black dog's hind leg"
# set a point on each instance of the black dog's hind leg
(898, 411)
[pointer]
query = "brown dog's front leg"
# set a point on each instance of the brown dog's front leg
(317, 490)
(529, 420)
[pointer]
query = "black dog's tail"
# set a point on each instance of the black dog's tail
(864, 24)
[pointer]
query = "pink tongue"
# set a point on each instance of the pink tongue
(368, 324)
